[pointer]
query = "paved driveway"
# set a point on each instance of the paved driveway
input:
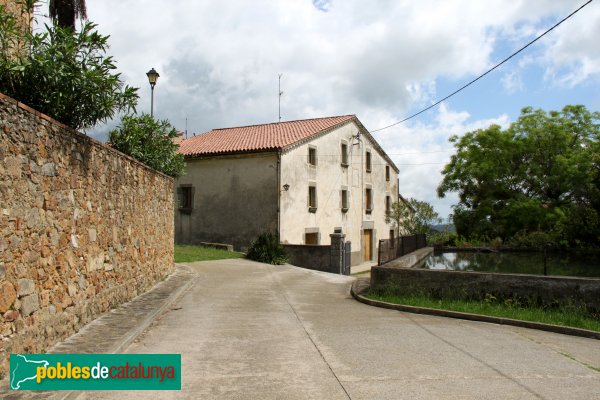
(253, 331)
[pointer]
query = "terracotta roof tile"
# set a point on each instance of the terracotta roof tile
(258, 137)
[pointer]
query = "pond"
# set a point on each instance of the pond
(517, 263)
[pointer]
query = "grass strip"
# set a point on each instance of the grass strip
(187, 253)
(565, 316)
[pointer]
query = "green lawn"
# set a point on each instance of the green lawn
(565, 315)
(186, 253)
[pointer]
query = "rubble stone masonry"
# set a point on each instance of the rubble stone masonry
(83, 228)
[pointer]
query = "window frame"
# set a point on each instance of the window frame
(387, 173)
(312, 156)
(368, 200)
(185, 192)
(345, 200)
(368, 161)
(344, 154)
(312, 234)
(312, 198)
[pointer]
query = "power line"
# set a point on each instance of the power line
(487, 72)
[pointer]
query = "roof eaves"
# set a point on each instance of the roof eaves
(318, 134)
(376, 145)
(230, 153)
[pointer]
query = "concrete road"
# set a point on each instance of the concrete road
(253, 331)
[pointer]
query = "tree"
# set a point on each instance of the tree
(149, 141)
(413, 216)
(63, 74)
(65, 12)
(538, 175)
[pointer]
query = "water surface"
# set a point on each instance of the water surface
(519, 263)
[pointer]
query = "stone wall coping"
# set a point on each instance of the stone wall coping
(408, 261)
(75, 132)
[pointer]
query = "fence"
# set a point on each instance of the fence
(392, 249)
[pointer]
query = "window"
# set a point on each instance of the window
(312, 156)
(344, 155)
(368, 161)
(185, 198)
(345, 201)
(392, 238)
(387, 173)
(368, 200)
(312, 198)
(311, 238)
(388, 204)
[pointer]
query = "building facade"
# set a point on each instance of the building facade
(301, 180)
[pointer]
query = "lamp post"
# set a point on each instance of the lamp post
(152, 78)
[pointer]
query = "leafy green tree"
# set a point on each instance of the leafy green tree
(65, 12)
(63, 74)
(149, 141)
(413, 216)
(539, 175)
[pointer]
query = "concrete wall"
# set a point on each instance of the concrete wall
(545, 289)
(330, 177)
(392, 249)
(315, 257)
(235, 199)
(83, 228)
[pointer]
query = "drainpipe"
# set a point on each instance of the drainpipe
(279, 196)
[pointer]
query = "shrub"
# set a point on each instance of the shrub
(150, 141)
(62, 73)
(267, 249)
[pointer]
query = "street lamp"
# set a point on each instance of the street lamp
(152, 78)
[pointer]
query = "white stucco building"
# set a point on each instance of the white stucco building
(300, 179)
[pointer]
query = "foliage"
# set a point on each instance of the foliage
(61, 73)
(149, 141)
(541, 174)
(565, 314)
(267, 249)
(412, 218)
(188, 253)
(65, 12)
(442, 238)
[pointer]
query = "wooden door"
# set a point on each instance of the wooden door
(367, 245)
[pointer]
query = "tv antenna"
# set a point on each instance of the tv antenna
(280, 93)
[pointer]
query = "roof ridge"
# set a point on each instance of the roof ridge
(283, 122)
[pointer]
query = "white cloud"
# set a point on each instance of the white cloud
(512, 82)
(219, 63)
(422, 149)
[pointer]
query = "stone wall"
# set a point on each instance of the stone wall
(83, 228)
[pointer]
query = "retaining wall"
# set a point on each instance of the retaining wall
(545, 289)
(309, 256)
(83, 228)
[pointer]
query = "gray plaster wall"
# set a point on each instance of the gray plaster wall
(309, 256)
(546, 289)
(234, 199)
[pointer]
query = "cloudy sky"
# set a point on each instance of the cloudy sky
(219, 63)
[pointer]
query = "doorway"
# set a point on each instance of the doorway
(367, 244)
